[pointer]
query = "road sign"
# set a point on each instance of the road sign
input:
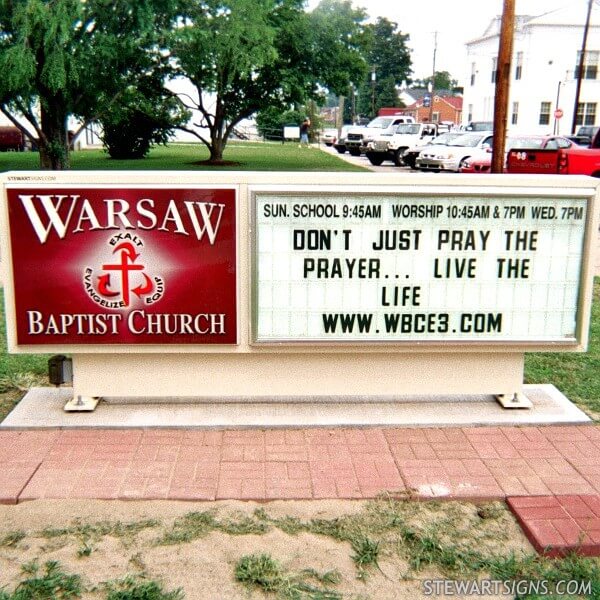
(558, 113)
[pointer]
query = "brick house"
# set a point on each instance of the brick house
(446, 106)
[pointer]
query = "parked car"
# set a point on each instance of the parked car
(452, 156)
(584, 136)
(329, 137)
(359, 137)
(340, 144)
(574, 160)
(409, 158)
(482, 163)
(392, 146)
(478, 126)
(11, 138)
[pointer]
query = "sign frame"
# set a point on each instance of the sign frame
(272, 372)
(45, 182)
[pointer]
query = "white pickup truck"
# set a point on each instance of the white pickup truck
(358, 137)
(391, 146)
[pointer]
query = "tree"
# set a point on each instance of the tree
(144, 116)
(58, 57)
(443, 81)
(389, 63)
(243, 56)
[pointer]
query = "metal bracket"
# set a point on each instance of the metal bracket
(82, 404)
(514, 400)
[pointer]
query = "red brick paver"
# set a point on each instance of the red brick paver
(525, 464)
(558, 525)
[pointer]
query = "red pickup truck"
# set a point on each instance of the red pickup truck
(564, 161)
(567, 159)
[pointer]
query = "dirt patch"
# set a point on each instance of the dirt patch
(196, 546)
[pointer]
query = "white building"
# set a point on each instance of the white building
(546, 51)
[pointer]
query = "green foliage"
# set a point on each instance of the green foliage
(271, 120)
(196, 525)
(337, 38)
(267, 574)
(366, 554)
(260, 570)
(387, 54)
(442, 81)
(144, 115)
(66, 57)
(132, 588)
(243, 156)
(50, 584)
(95, 531)
(257, 54)
(10, 540)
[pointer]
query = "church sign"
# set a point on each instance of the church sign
(124, 265)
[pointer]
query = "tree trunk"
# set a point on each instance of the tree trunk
(217, 142)
(54, 143)
(216, 151)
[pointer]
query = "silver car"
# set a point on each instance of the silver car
(409, 157)
(452, 156)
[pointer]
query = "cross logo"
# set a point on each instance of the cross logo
(123, 279)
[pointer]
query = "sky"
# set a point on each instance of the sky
(456, 21)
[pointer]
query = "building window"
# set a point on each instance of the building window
(473, 71)
(519, 65)
(494, 68)
(545, 113)
(435, 117)
(586, 113)
(590, 64)
(515, 113)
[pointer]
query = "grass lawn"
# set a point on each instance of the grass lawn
(18, 372)
(240, 156)
(577, 376)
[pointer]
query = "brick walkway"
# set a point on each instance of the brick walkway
(536, 464)
(476, 462)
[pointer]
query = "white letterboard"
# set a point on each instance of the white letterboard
(417, 268)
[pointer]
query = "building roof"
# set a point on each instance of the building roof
(573, 15)
(456, 102)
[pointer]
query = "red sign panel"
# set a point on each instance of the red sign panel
(124, 265)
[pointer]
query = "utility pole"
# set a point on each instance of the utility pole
(579, 74)
(339, 122)
(373, 84)
(503, 85)
(433, 78)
